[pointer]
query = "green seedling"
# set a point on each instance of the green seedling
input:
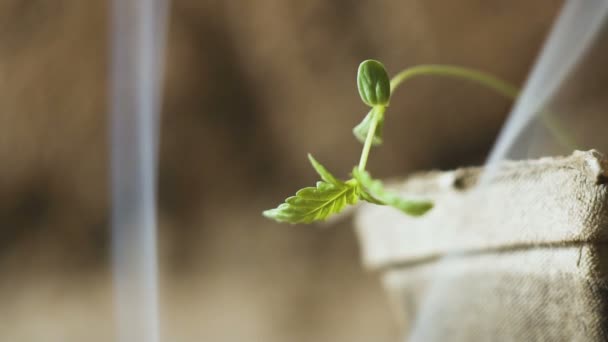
(331, 195)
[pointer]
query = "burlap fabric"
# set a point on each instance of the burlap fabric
(522, 257)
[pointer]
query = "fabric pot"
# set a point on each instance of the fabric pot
(522, 257)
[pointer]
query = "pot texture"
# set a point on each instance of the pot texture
(522, 257)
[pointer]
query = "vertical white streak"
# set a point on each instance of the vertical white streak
(138, 34)
(575, 29)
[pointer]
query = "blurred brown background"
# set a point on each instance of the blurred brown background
(251, 87)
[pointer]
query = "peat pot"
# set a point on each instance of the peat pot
(522, 257)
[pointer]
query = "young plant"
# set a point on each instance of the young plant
(331, 195)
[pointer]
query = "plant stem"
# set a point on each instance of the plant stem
(504, 88)
(558, 131)
(488, 80)
(377, 112)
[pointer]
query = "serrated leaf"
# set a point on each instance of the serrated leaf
(316, 203)
(329, 197)
(323, 173)
(360, 131)
(375, 189)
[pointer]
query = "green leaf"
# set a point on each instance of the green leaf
(322, 171)
(373, 83)
(364, 195)
(375, 189)
(360, 131)
(329, 197)
(315, 203)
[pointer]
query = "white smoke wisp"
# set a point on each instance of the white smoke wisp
(571, 37)
(138, 34)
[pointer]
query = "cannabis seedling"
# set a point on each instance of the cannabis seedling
(331, 195)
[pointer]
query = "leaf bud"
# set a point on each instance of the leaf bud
(373, 83)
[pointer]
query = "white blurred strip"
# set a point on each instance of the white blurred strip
(138, 34)
(573, 33)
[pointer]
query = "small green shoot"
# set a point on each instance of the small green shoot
(331, 195)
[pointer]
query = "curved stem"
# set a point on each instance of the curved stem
(558, 131)
(504, 88)
(377, 112)
(483, 78)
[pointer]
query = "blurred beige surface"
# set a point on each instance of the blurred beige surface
(251, 87)
(517, 257)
